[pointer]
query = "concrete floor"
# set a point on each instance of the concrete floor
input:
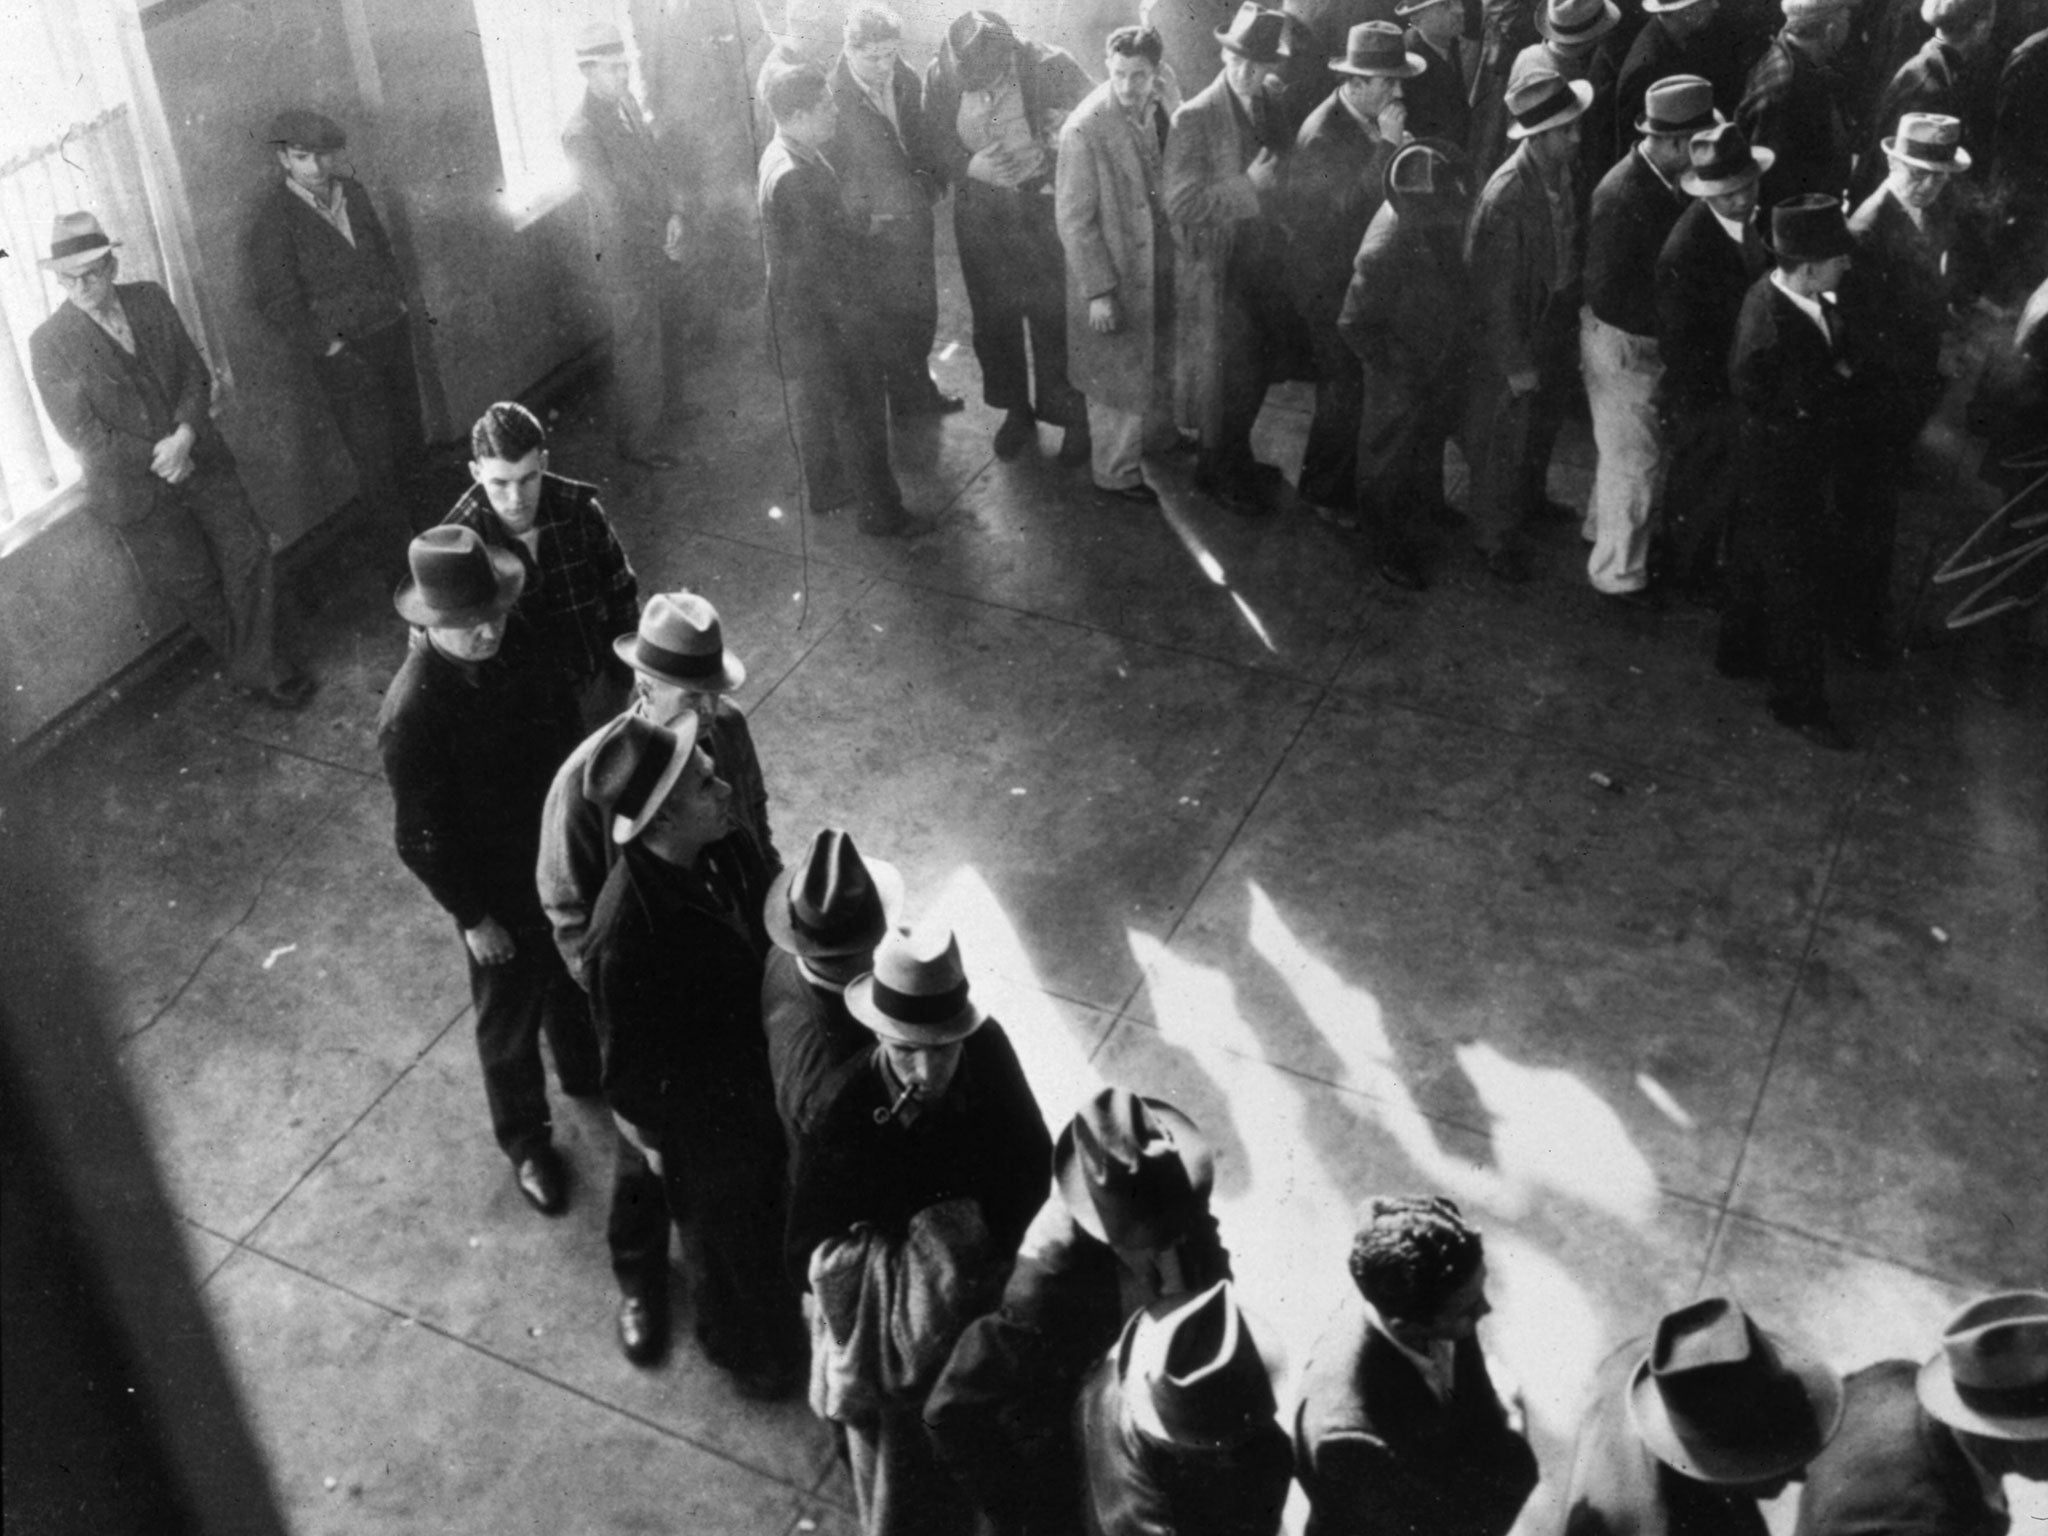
(1220, 817)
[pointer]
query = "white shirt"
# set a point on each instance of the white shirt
(1736, 229)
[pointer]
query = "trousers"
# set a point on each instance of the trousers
(1517, 432)
(1016, 275)
(1621, 371)
(517, 1001)
(841, 412)
(372, 389)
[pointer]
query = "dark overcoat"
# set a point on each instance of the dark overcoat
(1892, 1468)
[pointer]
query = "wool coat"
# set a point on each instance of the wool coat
(1701, 279)
(1632, 216)
(1110, 203)
(814, 1044)
(1412, 318)
(312, 284)
(1893, 1469)
(627, 192)
(1336, 181)
(1511, 248)
(1793, 107)
(888, 185)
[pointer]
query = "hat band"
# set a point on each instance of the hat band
(1560, 29)
(2027, 1401)
(680, 663)
(920, 1007)
(641, 781)
(73, 245)
(1547, 107)
(1690, 125)
(602, 51)
(1920, 150)
(816, 923)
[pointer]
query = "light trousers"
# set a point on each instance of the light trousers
(1621, 372)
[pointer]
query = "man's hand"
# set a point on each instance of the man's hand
(1523, 381)
(489, 942)
(993, 164)
(171, 459)
(1393, 122)
(1264, 172)
(1104, 318)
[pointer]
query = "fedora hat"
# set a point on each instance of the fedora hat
(679, 643)
(633, 767)
(983, 43)
(1576, 23)
(917, 992)
(1192, 1375)
(1659, 7)
(76, 242)
(1991, 1376)
(1678, 106)
(457, 581)
(1133, 1172)
(1723, 161)
(832, 901)
(1410, 7)
(600, 42)
(1930, 141)
(1795, 9)
(1374, 50)
(301, 128)
(1256, 33)
(1426, 175)
(1722, 1401)
(1808, 228)
(1543, 99)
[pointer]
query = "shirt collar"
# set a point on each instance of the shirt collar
(838, 988)
(802, 152)
(1738, 230)
(324, 209)
(1811, 308)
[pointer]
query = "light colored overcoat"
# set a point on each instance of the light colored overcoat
(1211, 202)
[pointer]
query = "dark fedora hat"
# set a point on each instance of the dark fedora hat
(1678, 106)
(1374, 50)
(303, 128)
(1991, 1376)
(1723, 161)
(457, 580)
(833, 902)
(1133, 1172)
(1256, 33)
(917, 993)
(1722, 1401)
(1808, 228)
(679, 643)
(1192, 1375)
(634, 766)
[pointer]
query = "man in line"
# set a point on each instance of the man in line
(880, 152)
(1681, 37)
(1955, 74)
(325, 278)
(822, 312)
(127, 390)
(1399, 1427)
(674, 958)
(1690, 1429)
(1335, 183)
(1634, 209)
(1228, 276)
(1924, 1447)
(1438, 107)
(1792, 104)
(636, 235)
(1128, 1225)
(1523, 249)
(580, 589)
(1110, 205)
(470, 738)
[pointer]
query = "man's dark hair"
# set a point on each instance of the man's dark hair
(1412, 1254)
(795, 90)
(508, 430)
(1135, 43)
(870, 23)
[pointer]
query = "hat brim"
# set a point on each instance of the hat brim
(1411, 7)
(78, 261)
(731, 676)
(860, 1002)
(1953, 167)
(1842, 246)
(1071, 1178)
(1710, 1463)
(1936, 1385)
(888, 883)
(623, 828)
(1231, 44)
(1761, 161)
(1715, 120)
(1582, 98)
(1408, 71)
(1610, 18)
(1653, 8)
(505, 565)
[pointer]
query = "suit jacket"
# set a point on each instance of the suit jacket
(1715, 54)
(814, 254)
(1215, 210)
(1633, 213)
(1512, 251)
(1378, 1454)
(1701, 279)
(1793, 107)
(1618, 1488)
(1897, 294)
(113, 409)
(814, 1044)
(626, 189)
(1936, 79)
(311, 283)
(884, 170)
(1439, 99)
(1336, 181)
(1792, 385)
(1893, 1469)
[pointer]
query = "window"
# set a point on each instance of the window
(72, 136)
(530, 59)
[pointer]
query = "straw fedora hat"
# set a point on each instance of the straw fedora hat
(1133, 1172)
(1374, 50)
(76, 242)
(1543, 99)
(1931, 141)
(457, 580)
(833, 902)
(679, 643)
(1678, 106)
(917, 993)
(1991, 1376)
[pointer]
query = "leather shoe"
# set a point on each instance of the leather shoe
(543, 1181)
(770, 1383)
(936, 402)
(891, 523)
(1509, 565)
(1018, 432)
(1140, 494)
(1641, 600)
(1404, 574)
(293, 693)
(643, 1328)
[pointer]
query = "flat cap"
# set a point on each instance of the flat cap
(305, 129)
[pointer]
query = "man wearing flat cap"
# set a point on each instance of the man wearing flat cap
(326, 279)
(636, 212)
(1634, 210)
(1524, 249)
(1690, 1429)
(1924, 1448)
(1222, 191)
(1335, 182)
(1175, 1426)
(129, 393)
(1128, 1225)
(907, 1202)
(673, 958)
(1792, 103)
(470, 738)
(1399, 1428)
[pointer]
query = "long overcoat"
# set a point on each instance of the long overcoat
(1214, 208)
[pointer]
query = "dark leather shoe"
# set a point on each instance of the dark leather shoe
(543, 1181)
(1018, 432)
(1642, 600)
(935, 403)
(1509, 565)
(1077, 446)
(891, 523)
(643, 1328)
(770, 1383)
(1404, 574)
(1140, 494)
